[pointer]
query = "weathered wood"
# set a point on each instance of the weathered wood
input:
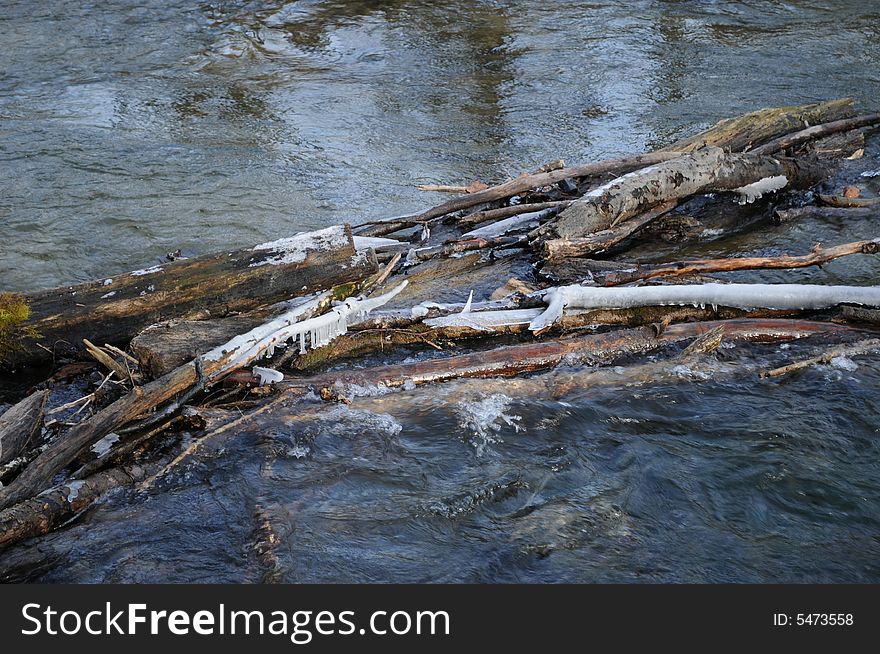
(707, 170)
(816, 132)
(848, 203)
(186, 379)
(519, 359)
(832, 213)
(20, 425)
(818, 256)
(490, 215)
(162, 348)
(510, 188)
(746, 131)
(40, 515)
(603, 240)
(114, 310)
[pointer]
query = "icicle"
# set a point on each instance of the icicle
(467, 305)
(426, 232)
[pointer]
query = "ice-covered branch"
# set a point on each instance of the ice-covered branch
(741, 296)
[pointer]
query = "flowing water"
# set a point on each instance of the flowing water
(132, 129)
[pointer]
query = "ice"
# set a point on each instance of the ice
(105, 444)
(742, 296)
(751, 192)
(345, 421)
(73, 488)
(146, 271)
(294, 249)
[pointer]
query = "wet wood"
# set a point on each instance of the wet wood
(817, 131)
(825, 213)
(856, 349)
(511, 188)
(605, 239)
(40, 515)
(705, 171)
(848, 203)
(20, 425)
(162, 348)
(751, 129)
(116, 309)
(519, 359)
(818, 256)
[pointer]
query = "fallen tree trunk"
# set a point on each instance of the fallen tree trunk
(513, 187)
(707, 170)
(40, 515)
(20, 425)
(639, 272)
(817, 132)
(742, 296)
(603, 240)
(746, 131)
(115, 309)
(518, 359)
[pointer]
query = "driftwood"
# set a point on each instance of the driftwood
(115, 309)
(848, 203)
(490, 215)
(511, 188)
(828, 213)
(745, 132)
(518, 359)
(704, 171)
(641, 272)
(855, 349)
(20, 425)
(240, 351)
(41, 514)
(605, 239)
(816, 132)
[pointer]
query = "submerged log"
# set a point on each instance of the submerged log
(40, 515)
(20, 425)
(707, 170)
(833, 213)
(747, 131)
(114, 310)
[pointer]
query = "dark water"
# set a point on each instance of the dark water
(128, 130)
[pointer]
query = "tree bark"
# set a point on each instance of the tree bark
(745, 132)
(116, 309)
(817, 132)
(20, 425)
(511, 188)
(704, 171)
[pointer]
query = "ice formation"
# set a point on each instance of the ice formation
(741, 296)
(751, 192)
(290, 326)
(294, 249)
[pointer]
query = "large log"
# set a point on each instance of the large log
(115, 309)
(745, 132)
(519, 359)
(707, 170)
(20, 425)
